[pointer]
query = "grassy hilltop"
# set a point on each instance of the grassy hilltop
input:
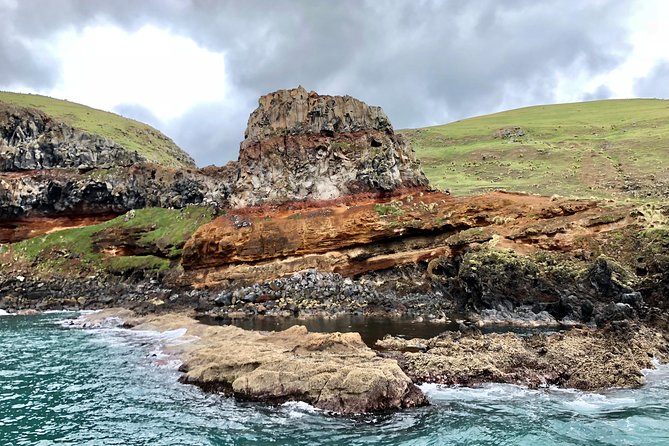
(608, 149)
(133, 135)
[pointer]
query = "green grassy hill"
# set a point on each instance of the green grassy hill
(132, 135)
(609, 149)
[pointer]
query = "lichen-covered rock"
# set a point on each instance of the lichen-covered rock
(580, 358)
(303, 146)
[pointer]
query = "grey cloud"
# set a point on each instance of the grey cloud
(425, 62)
(655, 84)
(601, 92)
(19, 64)
(138, 113)
(215, 129)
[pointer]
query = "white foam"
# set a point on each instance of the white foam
(298, 409)
(4, 313)
(485, 392)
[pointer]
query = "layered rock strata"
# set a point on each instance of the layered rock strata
(50, 170)
(367, 235)
(303, 146)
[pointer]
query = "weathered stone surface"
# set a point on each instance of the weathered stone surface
(50, 169)
(60, 192)
(30, 140)
(579, 358)
(303, 146)
(332, 371)
(365, 235)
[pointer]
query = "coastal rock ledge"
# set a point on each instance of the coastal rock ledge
(336, 372)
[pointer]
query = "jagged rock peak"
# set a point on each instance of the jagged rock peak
(304, 146)
(297, 111)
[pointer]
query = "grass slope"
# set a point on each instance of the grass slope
(132, 135)
(607, 149)
(158, 233)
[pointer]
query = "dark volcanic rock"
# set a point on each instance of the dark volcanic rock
(69, 192)
(30, 140)
(303, 146)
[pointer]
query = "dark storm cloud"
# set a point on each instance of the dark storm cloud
(655, 84)
(19, 63)
(424, 62)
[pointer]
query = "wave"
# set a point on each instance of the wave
(159, 345)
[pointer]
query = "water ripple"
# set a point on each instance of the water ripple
(75, 387)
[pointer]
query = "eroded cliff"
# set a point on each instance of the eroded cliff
(303, 146)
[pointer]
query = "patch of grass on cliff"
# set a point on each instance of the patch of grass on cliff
(393, 208)
(605, 149)
(125, 264)
(168, 227)
(162, 232)
(133, 135)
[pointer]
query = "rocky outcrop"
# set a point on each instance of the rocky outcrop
(303, 146)
(366, 235)
(51, 170)
(579, 358)
(31, 140)
(332, 371)
(58, 192)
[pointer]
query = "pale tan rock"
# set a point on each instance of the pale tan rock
(580, 358)
(332, 371)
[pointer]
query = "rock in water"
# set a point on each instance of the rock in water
(303, 146)
(332, 371)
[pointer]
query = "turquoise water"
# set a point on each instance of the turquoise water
(110, 387)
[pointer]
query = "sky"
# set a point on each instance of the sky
(194, 69)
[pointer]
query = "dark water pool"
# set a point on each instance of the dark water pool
(371, 329)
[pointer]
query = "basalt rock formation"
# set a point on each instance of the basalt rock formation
(50, 170)
(30, 140)
(303, 146)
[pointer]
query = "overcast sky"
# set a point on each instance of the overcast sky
(195, 69)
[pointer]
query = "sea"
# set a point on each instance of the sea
(64, 386)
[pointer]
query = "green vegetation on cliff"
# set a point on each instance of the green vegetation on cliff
(608, 149)
(133, 135)
(146, 239)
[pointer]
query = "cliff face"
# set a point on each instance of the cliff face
(67, 192)
(51, 170)
(368, 235)
(30, 140)
(302, 146)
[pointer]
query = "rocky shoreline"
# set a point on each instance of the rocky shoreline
(327, 213)
(338, 373)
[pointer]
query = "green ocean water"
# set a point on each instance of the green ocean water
(111, 387)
